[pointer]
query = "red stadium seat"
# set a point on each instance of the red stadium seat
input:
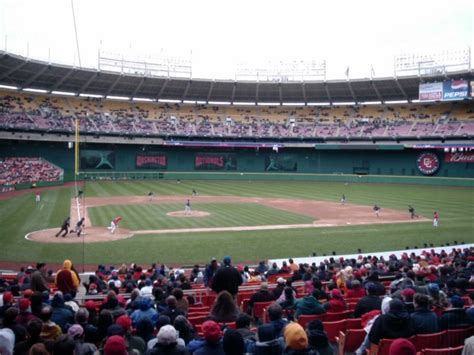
(455, 337)
(349, 341)
(259, 309)
(195, 320)
(332, 329)
(444, 351)
(354, 323)
(303, 320)
(334, 316)
(434, 340)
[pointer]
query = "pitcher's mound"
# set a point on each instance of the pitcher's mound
(188, 214)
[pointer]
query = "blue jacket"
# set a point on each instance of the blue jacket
(424, 321)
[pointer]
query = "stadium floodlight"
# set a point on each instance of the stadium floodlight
(36, 90)
(170, 101)
(293, 104)
(123, 98)
(319, 103)
(8, 87)
(219, 102)
(200, 102)
(349, 103)
(396, 102)
(268, 104)
(142, 99)
(191, 102)
(370, 103)
(94, 96)
(416, 101)
(237, 103)
(65, 93)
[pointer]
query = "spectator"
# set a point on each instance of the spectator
(369, 302)
(213, 339)
(10, 323)
(275, 315)
(267, 342)
(233, 343)
(425, 321)
(167, 343)
(145, 311)
(243, 327)
(24, 315)
(455, 317)
(470, 310)
(171, 310)
(67, 280)
(309, 305)
(33, 328)
(407, 297)
(115, 345)
(184, 329)
(262, 295)
(288, 301)
(133, 342)
(281, 283)
(227, 278)
(296, 340)
(50, 330)
(112, 304)
(7, 341)
(39, 278)
(395, 324)
(224, 308)
(336, 302)
(209, 272)
(76, 332)
(62, 314)
(317, 338)
(356, 291)
(64, 345)
(90, 331)
(182, 303)
(402, 347)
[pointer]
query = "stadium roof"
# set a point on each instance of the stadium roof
(26, 73)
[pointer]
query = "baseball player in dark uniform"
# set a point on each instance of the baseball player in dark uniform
(78, 229)
(377, 210)
(64, 227)
(187, 207)
(412, 212)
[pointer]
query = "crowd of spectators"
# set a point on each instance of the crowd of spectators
(19, 170)
(101, 117)
(135, 310)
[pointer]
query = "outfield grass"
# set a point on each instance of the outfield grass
(148, 216)
(21, 215)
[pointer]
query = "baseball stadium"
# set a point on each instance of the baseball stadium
(285, 208)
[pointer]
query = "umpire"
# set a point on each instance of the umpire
(64, 227)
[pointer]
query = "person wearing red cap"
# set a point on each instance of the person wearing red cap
(213, 336)
(407, 297)
(25, 314)
(7, 303)
(402, 347)
(115, 345)
(134, 342)
(337, 303)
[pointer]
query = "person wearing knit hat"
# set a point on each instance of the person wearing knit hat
(227, 278)
(337, 302)
(407, 296)
(25, 314)
(167, 342)
(296, 340)
(115, 345)
(402, 347)
(213, 336)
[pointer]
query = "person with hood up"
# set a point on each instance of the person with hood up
(395, 324)
(267, 342)
(66, 279)
(317, 338)
(62, 314)
(7, 341)
(145, 311)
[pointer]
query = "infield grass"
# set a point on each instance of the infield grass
(21, 215)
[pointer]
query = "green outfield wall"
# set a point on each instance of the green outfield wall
(141, 162)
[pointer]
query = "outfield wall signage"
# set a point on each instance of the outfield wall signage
(281, 162)
(215, 162)
(431, 91)
(428, 163)
(151, 161)
(459, 157)
(455, 90)
(97, 159)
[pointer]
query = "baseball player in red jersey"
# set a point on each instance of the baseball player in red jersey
(435, 219)
(114, 224)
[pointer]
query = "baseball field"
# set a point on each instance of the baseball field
(250, 220)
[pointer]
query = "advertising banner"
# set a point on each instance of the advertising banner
(151, 161)
(459, 157)
(431, 91)
(215, 161)
(455, 90)
(428, 163)
(97, 159)
(281, 162)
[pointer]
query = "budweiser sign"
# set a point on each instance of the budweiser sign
(459, 157)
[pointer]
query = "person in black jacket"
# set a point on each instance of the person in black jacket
(424, 320)
(455, 317)
(369, 302)
(227, 278)
(395, 324)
